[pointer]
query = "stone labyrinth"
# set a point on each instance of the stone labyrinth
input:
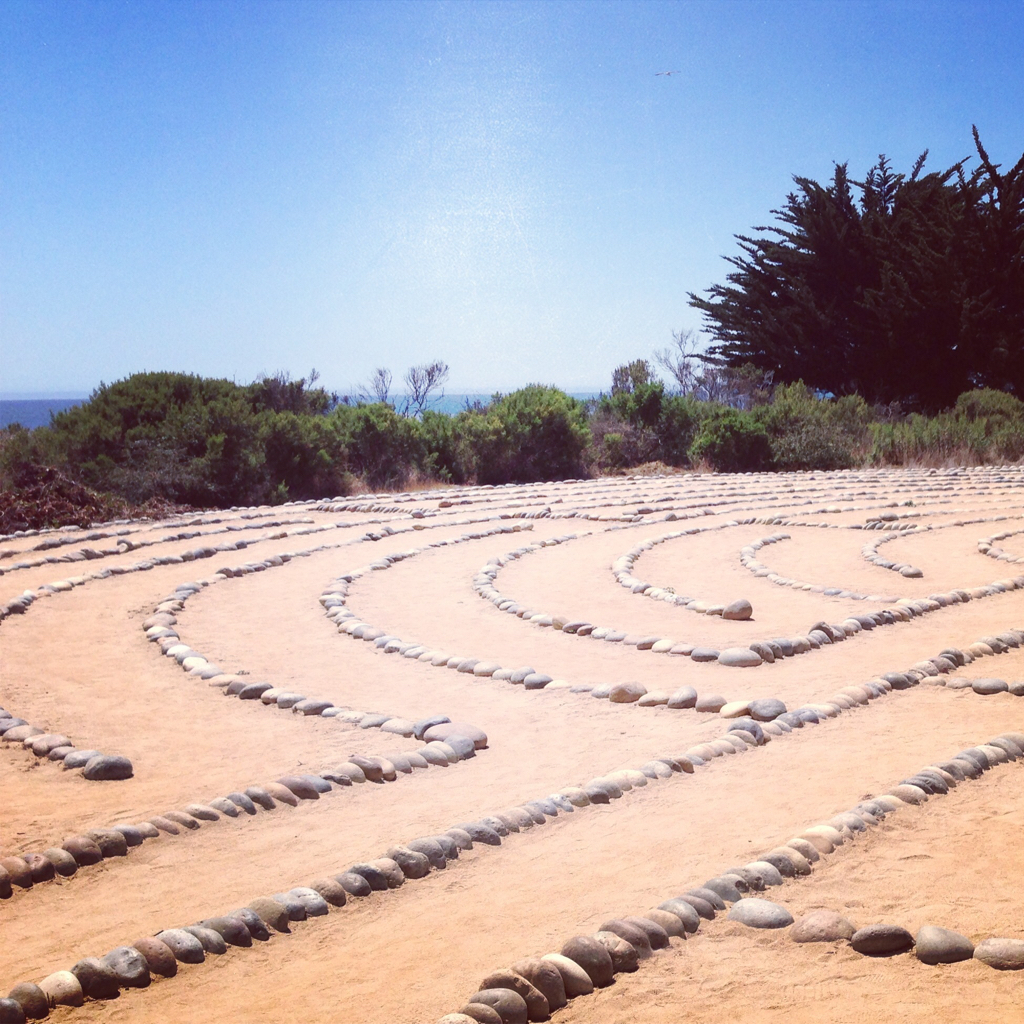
(681, 748)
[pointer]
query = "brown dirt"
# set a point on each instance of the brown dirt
(79, 663)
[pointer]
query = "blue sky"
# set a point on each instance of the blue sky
(236, 188)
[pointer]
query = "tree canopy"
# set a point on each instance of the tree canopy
(901, 287)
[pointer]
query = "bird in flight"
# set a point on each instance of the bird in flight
(656, 73)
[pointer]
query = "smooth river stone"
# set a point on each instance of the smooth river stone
(711, 704)
(623, 953)
(739, 611)
(822, 926)
(1002, 954)
(739, 657)
(941, 946)
(986, 687)
(684, 697)
(687, 914)
(766, 709)
(626, 693)
(910, 794)
(443, 731)
(510, 1006)
(62, 988)
(735, 709)
(129, 965)
(759, 913)
(537, 1007)
(107, 767)
(98, 979)
(30, 999)
(575, 980)
(592, 957)
(159, 956)
(635, 936)
(546, 978)
(882, 940)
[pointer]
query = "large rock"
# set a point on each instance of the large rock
(758, 913)
(626, 693)
(766, 709)
(84, 850)
(685, 911)
(882, 940)
(62, 988)
(575, 980)
(941, 946)
(986, 687)
(1002, 954)
(129, 965)
(624, 954)
(107, 768)
(443, 731)
(739, 657)
(546, 978)
(822, 926)
(11, 1011)
(271, 912)
(159, 956)
(592, 957)
(481, 1013)
(740, 610)
(231, 929)
(684, 697)
(635, 936)
(18, 871)
(536, 1002)
(510, 1006)
(31, 999)
(98, 979)
(185, 946)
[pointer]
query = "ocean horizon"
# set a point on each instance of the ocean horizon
(36, 412)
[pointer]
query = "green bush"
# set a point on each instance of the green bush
(536, 433)
(677, 427)
(731, 441)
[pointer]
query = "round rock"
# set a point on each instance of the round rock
(758, 913)
(1002, 954)
(882, 940)
(822, 926)
(62, 988)
(592, 957)
(941, 946)
(159, 956)
(107, 768)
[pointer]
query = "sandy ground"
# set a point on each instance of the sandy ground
(79, 663)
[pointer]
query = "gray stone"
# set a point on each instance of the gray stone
(129, 965)
(509, 1005)
(740, 657)
(107, 767)
(625, 958)
(989, 686)
(941, 946)
(822, 926)
(759, 913)
(185, 946)
(592, 957)
(766, 709)
(684, 697)
(740, 610)
(711, 704)
(626, 693)
(685, 911)
(98, 979)
(882, 940)
(1002, 954)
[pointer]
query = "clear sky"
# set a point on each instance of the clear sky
(232, 188)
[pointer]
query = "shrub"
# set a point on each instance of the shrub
(732, 442)
(536, 433)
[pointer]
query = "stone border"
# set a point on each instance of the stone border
(586, 962)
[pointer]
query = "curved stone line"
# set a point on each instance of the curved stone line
(820, 635)
(590, 962)
(95, 765)
(740, 736)
(95, 845)
(988, 547)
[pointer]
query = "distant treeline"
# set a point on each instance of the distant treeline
(898, 288)
(205, 442)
